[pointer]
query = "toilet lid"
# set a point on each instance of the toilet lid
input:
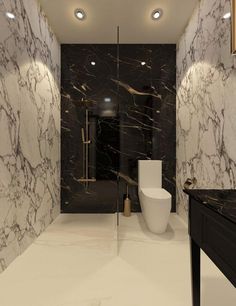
(156, 193)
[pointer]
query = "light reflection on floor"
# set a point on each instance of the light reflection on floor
(83, 260)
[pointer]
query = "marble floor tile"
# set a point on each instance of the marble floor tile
(84, 260)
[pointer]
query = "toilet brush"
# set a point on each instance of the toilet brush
(127, 204)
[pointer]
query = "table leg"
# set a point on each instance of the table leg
(195, 270)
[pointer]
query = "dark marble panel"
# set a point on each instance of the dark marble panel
(131, 117)
(89, 87)
(147, 111)
(222, 201)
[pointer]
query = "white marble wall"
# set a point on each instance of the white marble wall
(29, 126)
(206, 102)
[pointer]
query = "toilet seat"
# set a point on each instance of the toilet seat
(156, 193)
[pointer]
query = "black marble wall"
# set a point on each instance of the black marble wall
(131, 113)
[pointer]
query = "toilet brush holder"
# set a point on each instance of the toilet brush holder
(127, 204)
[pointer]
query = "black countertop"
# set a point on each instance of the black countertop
(222, 201)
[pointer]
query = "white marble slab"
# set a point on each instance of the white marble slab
(29, 126)
(206, 108)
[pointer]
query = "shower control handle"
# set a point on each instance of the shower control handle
(88, 180)
(83, 137)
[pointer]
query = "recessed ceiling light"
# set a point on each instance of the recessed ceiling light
(156, 14)
(80, 14)
(227, 15)
(10, 15)
(107, 99)
(93, 63)
(143, 63)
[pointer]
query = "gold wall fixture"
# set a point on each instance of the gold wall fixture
(233, 27)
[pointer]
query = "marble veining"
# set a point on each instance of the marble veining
(222, 201)
(29, 126)
(131, 117)
(206, 108)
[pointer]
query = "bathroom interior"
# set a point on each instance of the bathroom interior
(117, 153)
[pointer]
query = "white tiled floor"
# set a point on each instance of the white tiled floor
(78, 262)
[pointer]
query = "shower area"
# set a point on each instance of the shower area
(118, 106)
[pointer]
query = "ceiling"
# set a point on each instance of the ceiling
(133, 17)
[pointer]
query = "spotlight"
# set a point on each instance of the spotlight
(227, 15)
(80, 14)
(10, 15)
(156, 14)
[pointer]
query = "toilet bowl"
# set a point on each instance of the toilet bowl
(154, 200)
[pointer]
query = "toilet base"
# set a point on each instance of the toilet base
(156, 212)
(157, 230)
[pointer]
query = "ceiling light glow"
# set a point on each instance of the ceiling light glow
(10, 15)
(143, 63)
(227, 15)
(80, 14)
(93, 63)
(156, 14)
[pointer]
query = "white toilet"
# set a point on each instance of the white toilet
(155, 201)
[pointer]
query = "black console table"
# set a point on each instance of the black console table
(212, 228)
